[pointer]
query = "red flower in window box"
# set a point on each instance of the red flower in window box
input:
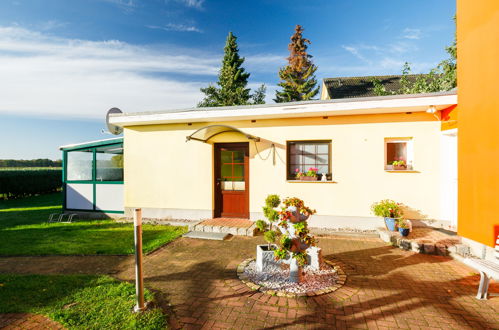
(310, 175)
(399, 165)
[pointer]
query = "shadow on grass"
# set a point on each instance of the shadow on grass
(99, 237)
(53, 199)
(77, 301)
(25, 231)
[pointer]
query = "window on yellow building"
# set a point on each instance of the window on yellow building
(398, 151)
(303, 155)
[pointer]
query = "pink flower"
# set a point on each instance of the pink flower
(297, 170)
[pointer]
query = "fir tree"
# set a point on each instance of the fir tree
(232, 81)
(297, 78)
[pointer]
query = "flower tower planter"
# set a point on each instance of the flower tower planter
(295, 240)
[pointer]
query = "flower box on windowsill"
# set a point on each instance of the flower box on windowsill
(308, 178)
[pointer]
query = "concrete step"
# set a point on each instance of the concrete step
(200, 227)
(207, 235)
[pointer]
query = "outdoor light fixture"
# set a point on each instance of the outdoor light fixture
(431, 109)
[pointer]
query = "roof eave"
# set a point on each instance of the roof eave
(359, 106)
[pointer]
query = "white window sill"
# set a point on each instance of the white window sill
(302, 181)
(401, 171)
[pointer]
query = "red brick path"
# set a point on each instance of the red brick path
(386, 288)
(27, 321)
(429, 235)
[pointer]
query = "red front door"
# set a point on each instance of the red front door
(231, 180)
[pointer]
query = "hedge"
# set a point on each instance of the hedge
(29, 182)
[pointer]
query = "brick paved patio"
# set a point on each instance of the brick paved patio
(386, 288)
(27, 321)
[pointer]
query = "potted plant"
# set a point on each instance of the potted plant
(265, 252)
(404, 227)
(399, 165)
(310, 175)
(295, 210)
(388, 209)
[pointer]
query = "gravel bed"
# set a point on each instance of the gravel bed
(278, 278)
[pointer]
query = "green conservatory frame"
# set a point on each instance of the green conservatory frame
(92, 147)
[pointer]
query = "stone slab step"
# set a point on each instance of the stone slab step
(206, 235)
(427, 245)
(225, 229)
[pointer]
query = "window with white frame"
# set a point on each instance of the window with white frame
(399, 154)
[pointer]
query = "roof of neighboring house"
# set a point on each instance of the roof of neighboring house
(347, 87)
(335, 107)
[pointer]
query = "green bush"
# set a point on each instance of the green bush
(261, 225)
(270, 236)
(23, 183)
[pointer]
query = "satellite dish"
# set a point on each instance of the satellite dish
(113, 129)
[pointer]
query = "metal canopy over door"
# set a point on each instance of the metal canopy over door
(232, 180)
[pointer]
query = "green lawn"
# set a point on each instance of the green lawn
(78, 301)
(24, 231)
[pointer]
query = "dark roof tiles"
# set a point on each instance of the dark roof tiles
(348, 87)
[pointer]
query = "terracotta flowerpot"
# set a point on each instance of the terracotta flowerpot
(308, 178)
(400, 167)
(296, 219)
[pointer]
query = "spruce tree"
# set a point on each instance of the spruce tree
(232, 81)
(297, 78)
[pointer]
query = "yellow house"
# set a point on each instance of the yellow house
(478, 69)
(222, 162)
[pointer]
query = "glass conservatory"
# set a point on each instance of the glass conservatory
(93, 176)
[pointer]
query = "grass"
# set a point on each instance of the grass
(78, 301)
(24, 231)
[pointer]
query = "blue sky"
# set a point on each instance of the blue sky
(65, 63)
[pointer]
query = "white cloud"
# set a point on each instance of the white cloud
(46, 75)
(264, 63)
(52, 25)
(198, 4)
(374, 60)
(177, 27)
(414, 34)
(122, 3)
(355, 51)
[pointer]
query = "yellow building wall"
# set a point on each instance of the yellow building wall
(162, 170)
(478, 98)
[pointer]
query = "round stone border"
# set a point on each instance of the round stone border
(342, 277)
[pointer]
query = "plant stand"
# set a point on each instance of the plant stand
(295, 271)
(265, 260)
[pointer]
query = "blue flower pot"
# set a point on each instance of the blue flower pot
(404, 231)
(390, 224)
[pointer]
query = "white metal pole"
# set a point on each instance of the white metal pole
(139, 279)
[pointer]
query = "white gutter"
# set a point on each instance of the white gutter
(360, 106)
